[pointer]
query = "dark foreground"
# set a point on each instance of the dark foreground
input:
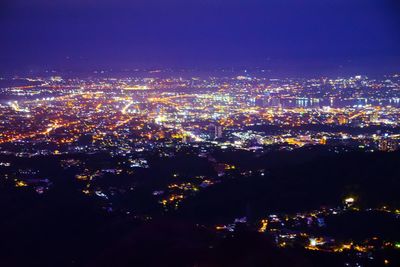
(300, 195)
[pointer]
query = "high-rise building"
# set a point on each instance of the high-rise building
(218, 131)
(215, 131)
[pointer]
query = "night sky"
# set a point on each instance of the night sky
(282, 35)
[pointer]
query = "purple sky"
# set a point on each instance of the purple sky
(292, 35)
